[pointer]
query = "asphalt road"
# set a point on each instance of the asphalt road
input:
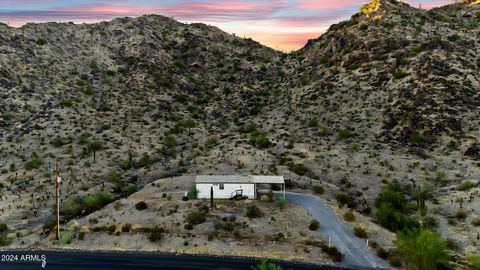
(73, 260)
(355, 249)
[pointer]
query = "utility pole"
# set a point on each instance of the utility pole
(57, 201)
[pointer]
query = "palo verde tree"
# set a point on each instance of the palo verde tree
(422, 249)
(93, 147)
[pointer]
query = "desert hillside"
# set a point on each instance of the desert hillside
(392, 93)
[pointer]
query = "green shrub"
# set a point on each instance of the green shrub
(58, 142)
(282, 203)
(318, 189)
(261, 140)
(314, 225)
(197, 217)
(3, 228)
(253, 211)
(474, 260)
(192, 193)
(34, 163)
(96, 202)
(345, 133)
(264, 265)
(417, 137)
(400, 74)
(422, 249)
(250, 127)
(312, 123)
(461, 214)
(349, 216)
(476, 222)
(141, 206)
(466, 185)
(41, 41)
(66, 238)
(394, 220)
(299, 169)
(81, 235)
(360, 232)
(156, 234)
(4, 240)
(66, 103)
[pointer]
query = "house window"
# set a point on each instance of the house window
(221, 187)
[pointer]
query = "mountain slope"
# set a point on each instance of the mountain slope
(392, 93)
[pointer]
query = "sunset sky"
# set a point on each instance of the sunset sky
(281, 24)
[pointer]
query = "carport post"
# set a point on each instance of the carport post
(284, 190)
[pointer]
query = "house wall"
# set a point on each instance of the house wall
(226, 193)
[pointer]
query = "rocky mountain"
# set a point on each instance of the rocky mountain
(392, 93)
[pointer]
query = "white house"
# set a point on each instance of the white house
(230, 186)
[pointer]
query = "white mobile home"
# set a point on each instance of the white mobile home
(231, 186)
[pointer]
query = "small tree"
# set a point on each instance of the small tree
(314, 225)
(93, 147)
(192, 193)
(266, 266)
(422, 249)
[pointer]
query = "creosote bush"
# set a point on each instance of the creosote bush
(314, 225)
(253, 211)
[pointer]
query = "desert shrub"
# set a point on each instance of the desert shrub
(66, 103)
(96, 202)
(299, 169)
(312, 123)
(197, 217)
(141, 205)
(318, 189)
(111, 229)
(474, 260)
(81, 235)
(3, 228)
(156, 234)
(66, 238)
(466, 185)
(349, 216)
(126, 227)
(57, 142)
(417, 137)
(476, 222)
(261, 140)
(360, 232)
(345, 133)
(192, 193)
(332, 252)
(344, 199)
(253, 211)
(382, 253)
(250, 127)
(264, 265)
(282, 203)
(394, 220)
(41, 41)
(400, 74)
(461, 214)
(433, 249)
(4, 240)
(48, 226)
(34, 163)
(314, 225)
(394, 199)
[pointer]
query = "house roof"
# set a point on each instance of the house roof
(257, 179)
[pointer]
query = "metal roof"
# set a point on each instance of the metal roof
(257, 179)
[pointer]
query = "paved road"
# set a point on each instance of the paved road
(73, 260)
(355, 250)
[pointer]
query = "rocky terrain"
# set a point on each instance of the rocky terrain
(392, 93)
